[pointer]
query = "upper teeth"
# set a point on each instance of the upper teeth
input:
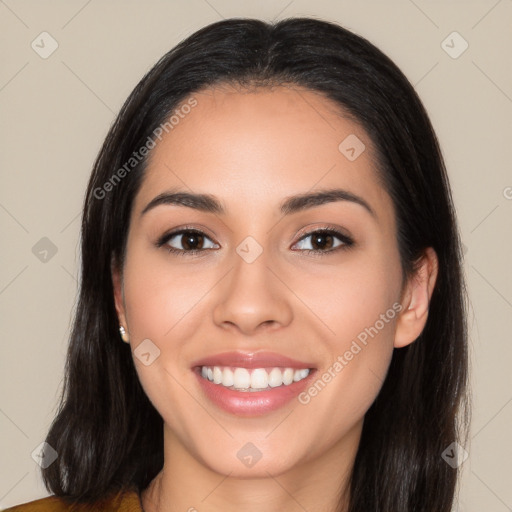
(252, 380)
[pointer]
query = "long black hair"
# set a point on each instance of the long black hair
(108, 435)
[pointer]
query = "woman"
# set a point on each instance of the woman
(270, 230)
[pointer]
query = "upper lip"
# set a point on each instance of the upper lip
(251, 360)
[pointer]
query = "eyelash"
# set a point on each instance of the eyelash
(347, 242)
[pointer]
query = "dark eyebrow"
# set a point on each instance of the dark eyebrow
(309, 200)
(209, 204)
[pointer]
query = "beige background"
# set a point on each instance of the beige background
(55, 113)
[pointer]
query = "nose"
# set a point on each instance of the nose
(252, 297)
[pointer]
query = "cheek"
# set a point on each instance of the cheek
(352, 295)
(163, 307)
(161, 299)
(359, 304)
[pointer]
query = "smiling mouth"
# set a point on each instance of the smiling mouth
(252, 380)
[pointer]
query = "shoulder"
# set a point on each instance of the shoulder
(52, 503)
(123, 501)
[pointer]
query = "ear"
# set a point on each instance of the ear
(118, 288)
(416, 300)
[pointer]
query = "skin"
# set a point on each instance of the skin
(252, 149)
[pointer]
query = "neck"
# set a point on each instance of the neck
(317, 485)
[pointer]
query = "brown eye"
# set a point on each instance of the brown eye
(191, 241)
(324, 240)
(186, 241)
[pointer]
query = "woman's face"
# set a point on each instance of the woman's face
(254, 290)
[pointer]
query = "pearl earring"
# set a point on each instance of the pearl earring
(124, 335)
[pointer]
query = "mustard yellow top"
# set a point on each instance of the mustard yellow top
(123, 501)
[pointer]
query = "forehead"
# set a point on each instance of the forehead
(254, 147)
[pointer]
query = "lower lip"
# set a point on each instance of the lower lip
(251, 403)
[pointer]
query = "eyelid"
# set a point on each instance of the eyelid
(347, 241)
(309, 230)
(163, 239)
